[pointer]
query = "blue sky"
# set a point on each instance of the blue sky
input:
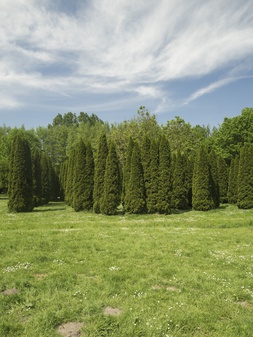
(192, 58)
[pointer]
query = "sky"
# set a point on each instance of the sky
(192, 59)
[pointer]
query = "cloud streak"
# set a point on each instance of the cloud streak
(106, 47)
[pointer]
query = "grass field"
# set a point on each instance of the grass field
(185, 274)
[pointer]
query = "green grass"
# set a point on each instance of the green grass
(185, 274)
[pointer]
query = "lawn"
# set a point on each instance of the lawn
(184, 274)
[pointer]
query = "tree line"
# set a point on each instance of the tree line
(137, 165)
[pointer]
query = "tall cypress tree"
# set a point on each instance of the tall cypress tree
(69, 193)
(152, 185)
(100, 165)
(223, 179)
(165, 179)
(233, 181)
(245, 177)
(135, 193)
(79, 176)
(89, 178)
(20, 189)
(37, 185)
(127, 169)
(112, 184)
(214, 180)
(180, 191)
(202, 197)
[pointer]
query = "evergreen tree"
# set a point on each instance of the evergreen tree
(135, 190)
(89, 178)
(127, 169)
(214, 178)
(233, 181)
(151, 185)
(112, 185)
(45, 179)
(202, 197)
(223, 180)
(69, 193)
(99, 173)
(180, 191)
(164, 176)
(188, 181)
(37, 185)
(245, 177)
(79, 181)
(20, 189)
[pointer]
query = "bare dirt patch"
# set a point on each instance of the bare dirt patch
(39, 277)
(9, 292)
(159, 287)
(70, 329)
(244, 304)
(109, 311)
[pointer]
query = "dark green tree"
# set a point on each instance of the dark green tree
(245, 177)
(89, 178)
(112, 185)
(79, 176)
(202, 197)
(69, 190)
(127, 169)
(165, 177)
(223, 180)
(233, 180)
(152, 179)
(20, 188)
(45, 179)
(214, 178)
(180, 190)
(135, 190)
(37, 184)
(100, 165)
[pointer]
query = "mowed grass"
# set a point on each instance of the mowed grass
(185, 274)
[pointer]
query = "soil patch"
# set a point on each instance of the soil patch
(244, 304)
(9, 292)
(39, 277)
(71, 329)
(108, 311)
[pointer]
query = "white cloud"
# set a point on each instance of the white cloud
(108, 45)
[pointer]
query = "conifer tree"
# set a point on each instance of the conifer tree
(214, 179)
(245, 177)
(223, 179)
(202, 197)
(164, 176)
(89, 178)
(233, 180)
(127, 169)
(135, 190)
(180, 191)
(20, 188)
(79, 176)
(69, 194)
(188, 182)
(112, 185)
(45, 179)
(100, 165)
(151, 186)
(37, 185)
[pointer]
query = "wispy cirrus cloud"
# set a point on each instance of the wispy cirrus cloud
(104, 47)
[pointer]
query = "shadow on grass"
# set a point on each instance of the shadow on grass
(51, 207)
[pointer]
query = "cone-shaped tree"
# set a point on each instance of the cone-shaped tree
(151, 185)
(135, 190)
(69, 192)
(223, 180)
(188, 182)
(233, 181)
(100, 165)
(37, 185)
(20, 189)
(214, 179)
(180, 190)
(45, 179)
(245, 177)
(202, 198)
(89, 178)
(127, 169)
(112, 185)
(165, 178)
(79, 176)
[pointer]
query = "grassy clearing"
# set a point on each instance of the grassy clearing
(186, 274)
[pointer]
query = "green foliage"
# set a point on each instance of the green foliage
(37, 175)
(165, 177)
(180, 188)
(223, 180)
(233, 181)
(127, 169)
(89, 178)
(152, 180)
(202, 184)
(135, 190)
(79, 176)
(112, 184)
(100, 166)
(20, 190)
(245, 177)
(214, 178)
